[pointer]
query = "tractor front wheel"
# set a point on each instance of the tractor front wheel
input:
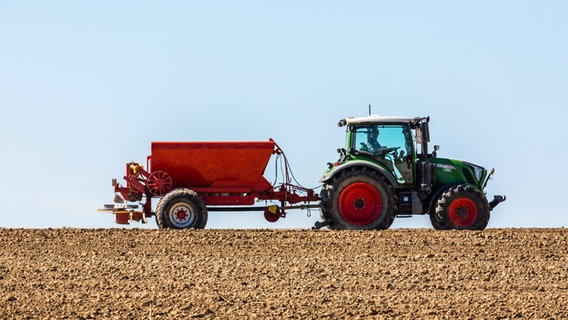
(181, 209)
(437, 222)
(359, 199)
(463, 207)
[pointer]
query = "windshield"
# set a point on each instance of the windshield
(371, 138)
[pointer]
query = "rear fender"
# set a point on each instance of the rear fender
(359, 163)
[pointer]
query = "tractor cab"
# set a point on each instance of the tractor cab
(391, 143)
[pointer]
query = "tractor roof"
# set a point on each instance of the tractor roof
(375, 119)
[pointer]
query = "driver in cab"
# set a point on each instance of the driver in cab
(373, 140)
(373, 146)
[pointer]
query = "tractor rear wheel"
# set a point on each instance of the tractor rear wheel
(324, 206)
(359, 199)
(181, 209)
(463, 207)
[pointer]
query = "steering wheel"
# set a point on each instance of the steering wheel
(383, 152)
(364, 147)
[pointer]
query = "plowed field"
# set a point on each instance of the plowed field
(163, 274)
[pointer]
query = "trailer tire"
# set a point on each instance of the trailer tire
(181, 209)
(463, 207)
(360, 199)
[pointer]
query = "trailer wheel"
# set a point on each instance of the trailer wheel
(360, 199)
(181, 209)
(463, 207)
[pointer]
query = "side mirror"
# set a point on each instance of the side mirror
(435, 153)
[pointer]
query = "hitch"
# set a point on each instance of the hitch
(124, 213)
(496, 200)
(320, 224)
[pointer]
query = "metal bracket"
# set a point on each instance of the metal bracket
(320, 224)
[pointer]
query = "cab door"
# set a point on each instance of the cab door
(391, 145)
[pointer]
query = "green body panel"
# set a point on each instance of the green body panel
(446, 172)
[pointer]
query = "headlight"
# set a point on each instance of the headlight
(477, 170)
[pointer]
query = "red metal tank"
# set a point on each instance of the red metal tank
(214, 166)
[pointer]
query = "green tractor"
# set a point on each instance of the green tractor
(381, 175)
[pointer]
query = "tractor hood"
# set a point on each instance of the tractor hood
(450, 170)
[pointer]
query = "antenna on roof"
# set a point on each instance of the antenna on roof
(369, 109)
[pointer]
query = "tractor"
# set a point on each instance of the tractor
(381, 175)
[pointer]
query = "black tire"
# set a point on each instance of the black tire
(359, 199)
(437, 222)
(463, 207)
(181, 209)
(324, 211)
(324, 206)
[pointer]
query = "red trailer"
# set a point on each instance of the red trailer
(193, 178)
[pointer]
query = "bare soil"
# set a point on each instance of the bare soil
(163, 274)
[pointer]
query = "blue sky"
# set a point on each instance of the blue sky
(86, 86)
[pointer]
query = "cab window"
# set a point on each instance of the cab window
(389, 144)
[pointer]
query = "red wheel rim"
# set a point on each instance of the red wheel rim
(159, 183)
(463, 212)
(181, 214)
(360, 203)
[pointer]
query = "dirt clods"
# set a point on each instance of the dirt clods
(304, 274)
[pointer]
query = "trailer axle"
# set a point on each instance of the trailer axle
(272, 213)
